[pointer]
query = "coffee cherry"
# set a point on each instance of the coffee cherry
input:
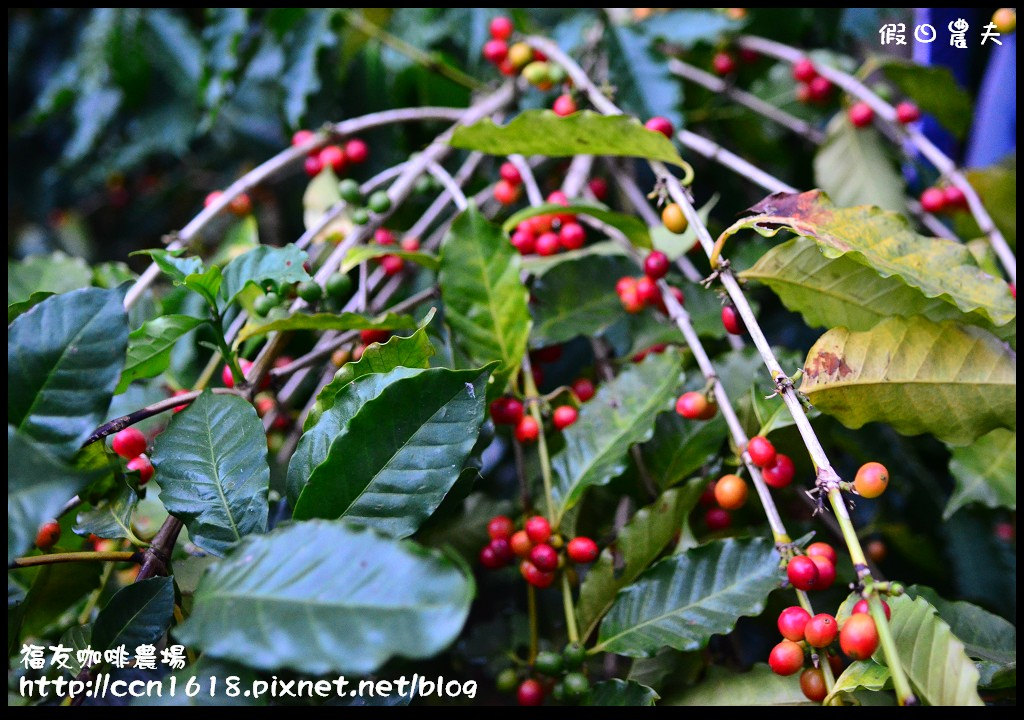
(907, 112)
(523, 241)
(674, 219)
(583, 388)
(572, 236)
(506, 681)
(629, 297)
(731, 320)
(792, 622)
(564, 105)
(819, 89)
(748, 56)
(301, 137)
(530, 693)
(228, 378)
(695, 405)
(500, 526)
(495, 51)
(313, 166)
(647, 290)
(826, 572)
(339, 286)
(240, 205)
(723, 63)
(357, 151)
(954, 198)
(176, 393)
(564, 416)
(933, 200)
(536, 73)
(510, 174)
(861, 115)
(661, 125)
(548, 663)
(786, 658)
(506, 411)
(379, 202)
(547, 244)
(538, 529)
(48, 535)
(821, 630)
(574, 656)
(211, 198)
(780, 473)
(1005, 20)
(859, 637)
(535, 576)
(861, 606)
(576, 685)
(142, 466)
(349, 191)
(489, 559)
(129, 443)
(502, 550)
(519, 55)
(333, 157)
(803, 93)
(717, 519)
(360, 216)
(265, 303)
(836, 663)
(824, 550)
(656, 265)
(505, 192)
(544, 557)
(812, 683)
(501, 28)
(761, 451)
(802, 573)
(582, 550)
(804, 70)
(871, 480)
(731, 492)
(520, 544)
(392, 264)
(599, 188)
(527, 430)
(310, 291)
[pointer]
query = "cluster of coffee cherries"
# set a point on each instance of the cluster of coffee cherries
(393, 264)
(724, 62)
(635, 294)
(946, 199)
(336, 157)
(131, 444)
(240, 205)
(360, 207)
(560, 676)
(546, 234)
(508, 410)
(811, 87)
(536, 547)
(861, 115)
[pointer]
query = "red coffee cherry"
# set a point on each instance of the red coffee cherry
(548, 244)
(717, 519)
(792, 622)
(564, 105)
(859, 637)
(535, 576)
(804, 70)
(802, 573)
(861, 115)
(356, 151)
(527, 431)
(544, 557)
(564, 416)
(695, 405)
(723, 63)
(731, 320)
(656, 265)
(583, 388)
(761, 451)
(505, 192)
(129, 443)
(786, 658)
(313, 166)
(861, 606)
(582, 550)
(823, 549)
(489, 559)
(647, 290)
(780, 473)
(506, 411)
(538, 529)
(301, 137)
(819, 89)
(374, 336)
(48, 535)
(530, 693)
(510, 173)
(333, 157)
(572, 236)
(142, 466)
(523, 241)
(177, 393)
(812, 683)
(520, 544)
(500, 526)
(495, 51)
(501, 28)
(392, 265)
(599, 187)
(826, 572)
(907, 112)
(662, 125)
(954, 198)
(821, 630)
(933, 200)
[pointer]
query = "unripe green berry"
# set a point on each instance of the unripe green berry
(265, 303)
(556, 74)
(549, 663)
(339, 285)
(507, 680)
(349, 190)
(379, 202)
(360, 216)
(576, 684)
(536, 73)
(573, 656)
(310, 291)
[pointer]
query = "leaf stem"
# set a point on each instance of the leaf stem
(570, 611)
(91, 556)
(542, 446)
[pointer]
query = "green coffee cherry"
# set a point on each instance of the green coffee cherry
(350, 193)
(310, 291)
(576, 684)
(573, 656)
(507, 680)
(379, 202)
(360, 216)
(265, 303)
(339, 286)
(549, 663)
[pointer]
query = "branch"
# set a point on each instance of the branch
(54, 558)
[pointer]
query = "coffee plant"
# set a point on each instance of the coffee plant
(621, 365)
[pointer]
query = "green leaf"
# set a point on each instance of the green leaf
(644, 85)
(578, 298)
(955, 382)
(22, 307)
(149, 347)
(690, 26)
(211, 464)
(939, 268)
(412, 351)
(64, 357)
(484, 300)
(934, 660)
(639, 543)
(400, 454)
(997, 187)
(327, 321)
(833, 292)
(621, 414)
(54, 273)
(685, 599)
(757, 687)
(282, 265)
(55, 590)
(111, 517)
(935, 90)
(621, 693)
(853, 167)
(77, 637)
(173, 264)
(629, 225)
(542, 132)
(985, 472)
(349, 600)
(681, 447)
(361, 253)
(207, 283)
(866, 674)
(321, 195)
(301, 77)
(138, 614)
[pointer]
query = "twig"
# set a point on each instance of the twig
(54, 558)
(734, 162)
(576, 176)
(533, 193)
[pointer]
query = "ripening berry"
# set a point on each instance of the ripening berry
(333, 157)
(871, 480)
(410, 244)
(695, 405)
(819, 89)
(572, 236)
(544, 557)
(647, 290)
(786, 658)
(142, 466)
(501, 28)
(48, 535)
(582, 550)
(129, 443)
(630, 298)
(583, 388)
(792, 622)
(228, 378)
(717, 519)
(804, 70)
(803, 93)
(826, 572)
(812, 683)
(538, 529)
(907, 112)
(821, 630)
(824, 550)
(301, 137)
(520, 54)
(1005, 20)
(520, 544)
(731, 492)
(661, 125)
(656, 265)
(547, 244)
(489, 559)
(369, 337)
(674, 219)
(731, 320)
(530, 693)
(500, 526)
(510, 174)
(780, 473)
(536, 73)
(495, 51)
(599, 187)
(802, 573)
(859, 637)
(392, 264)
(761, 451)
(313, 166)
(527, 430)
(356, 151)
(933, 200)
(954, 198)
(723, 63)
(861, 114)
(861, 606)
(564, 105)
(564, 416)
(523, 241)
(535, 576)
(505, 192)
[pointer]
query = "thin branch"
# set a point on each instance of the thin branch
(734, 162)
(533, 193)
(576, 176)
(449, 184)
(54, 558)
